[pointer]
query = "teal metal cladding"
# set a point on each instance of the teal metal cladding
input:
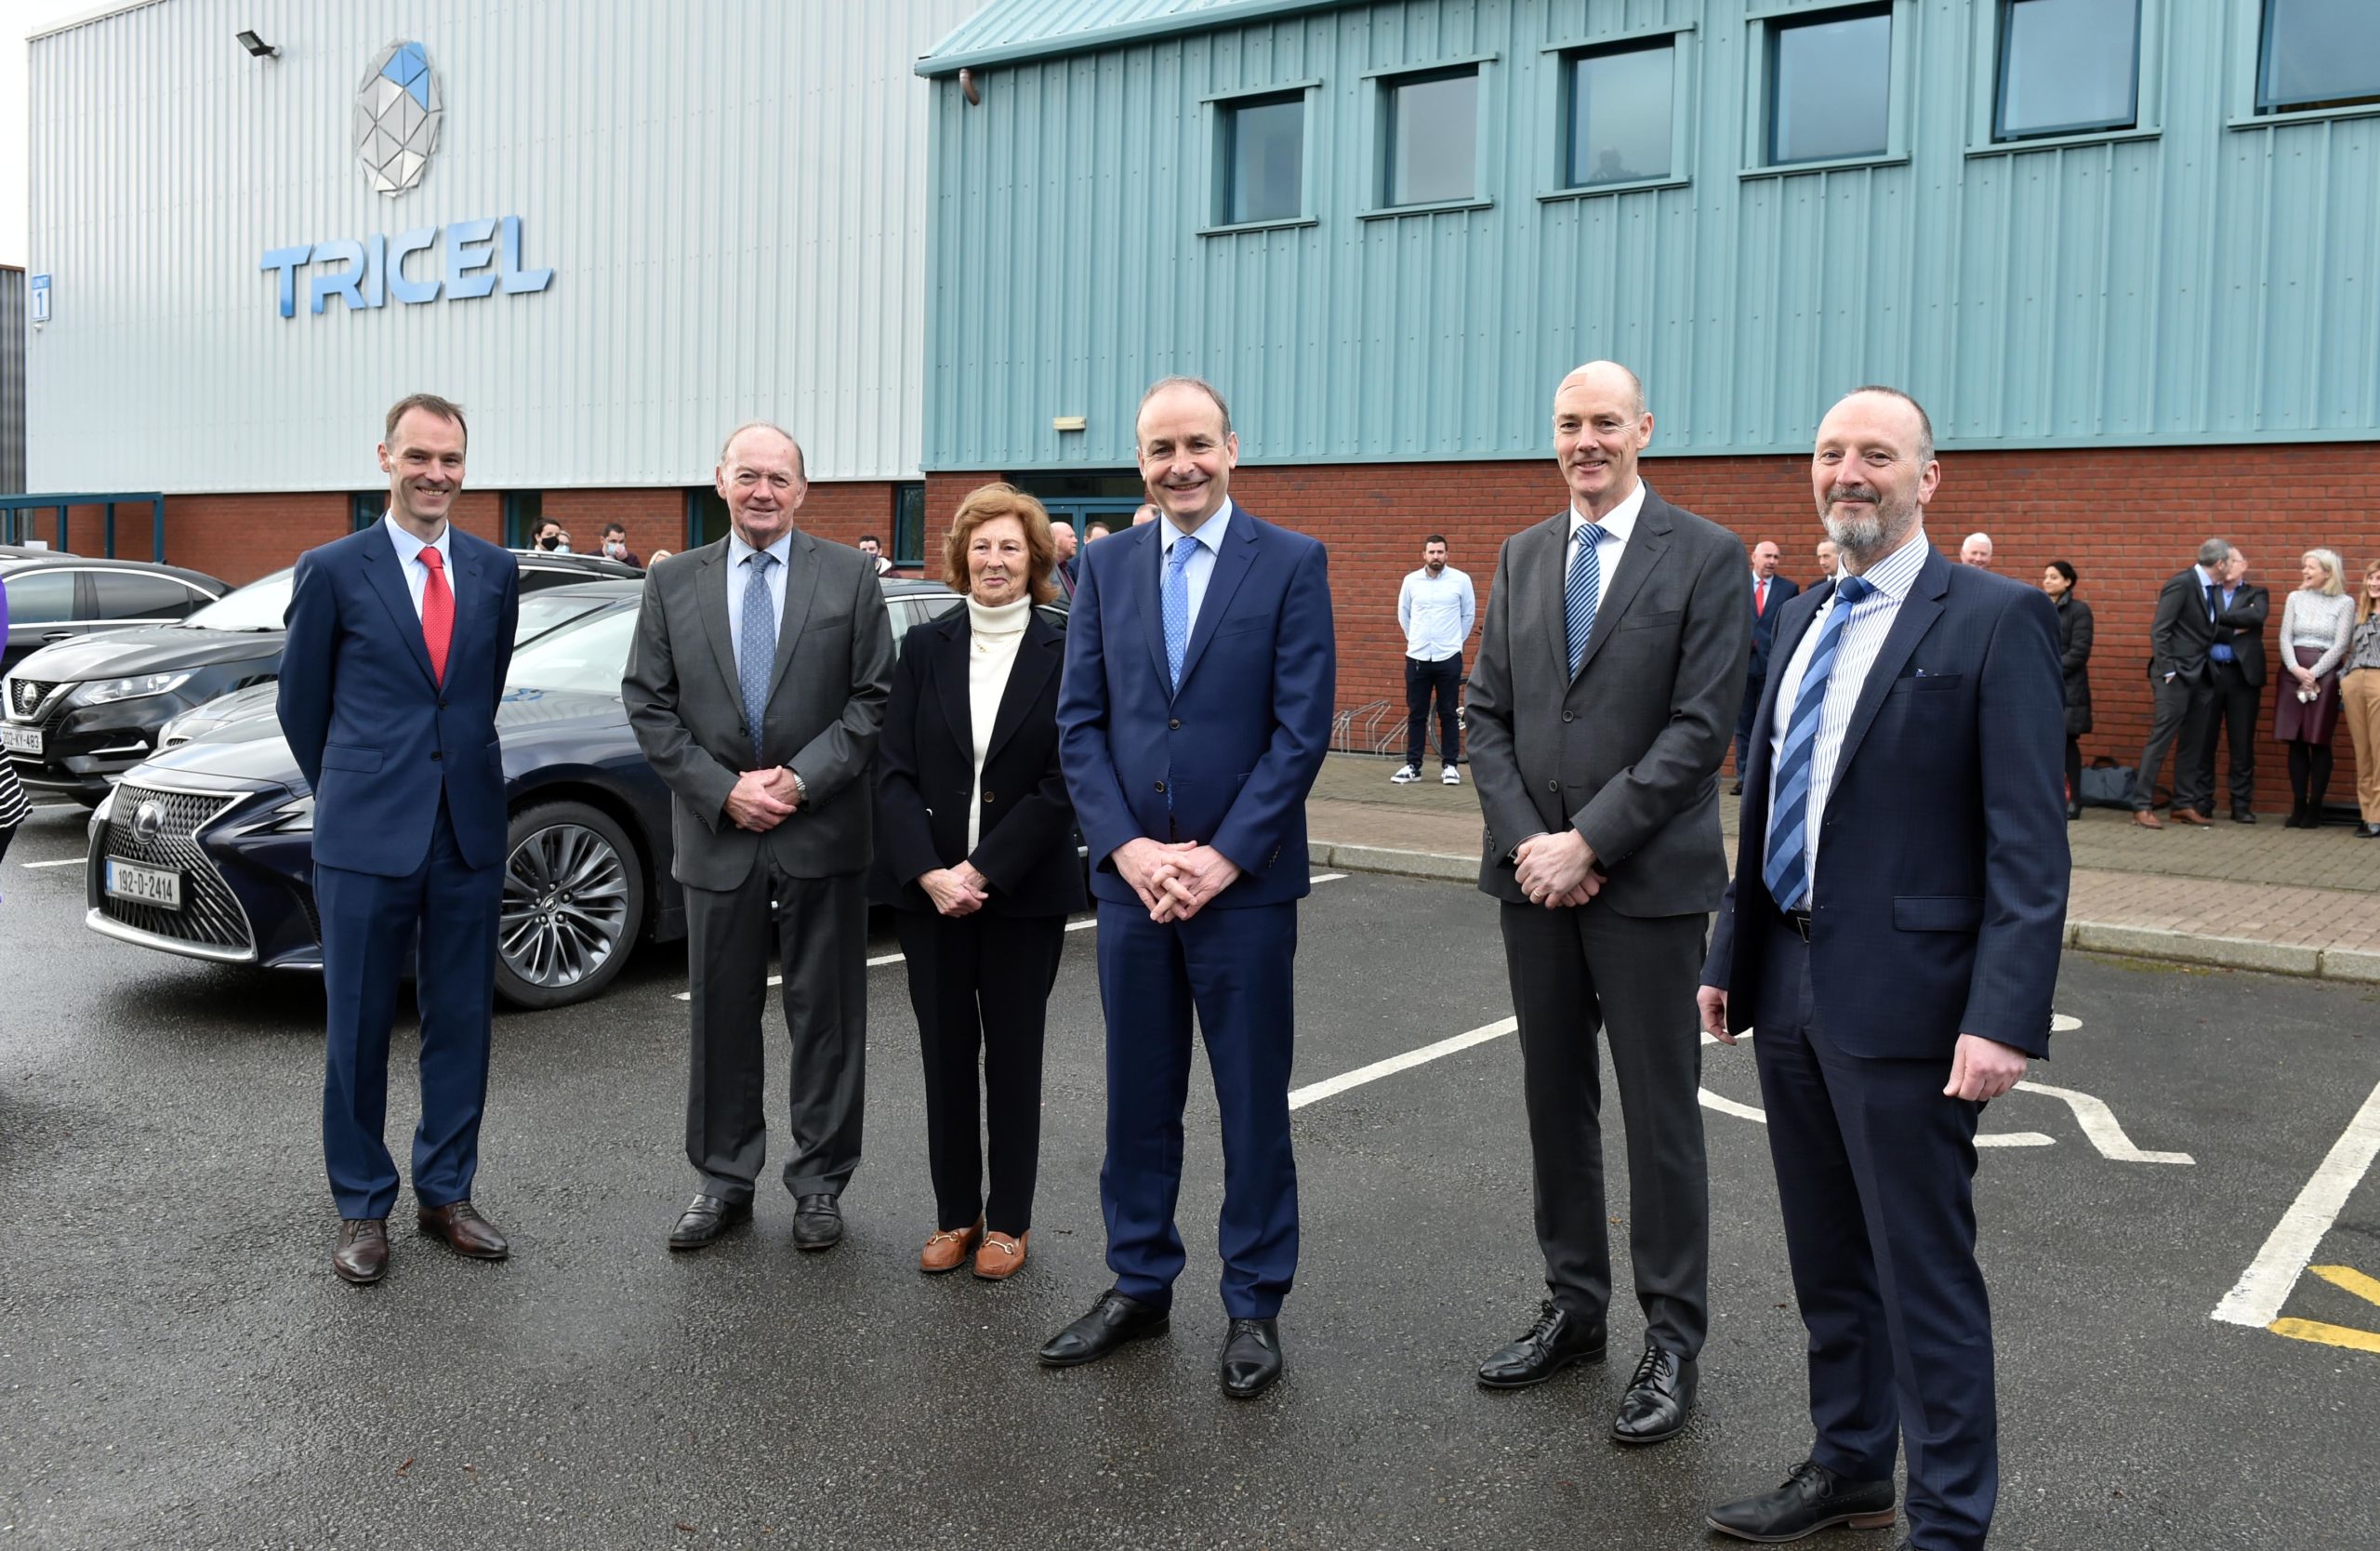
(2204, 276)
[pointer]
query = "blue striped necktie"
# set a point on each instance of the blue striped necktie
(1783, 868)
(1581, 593)
(1176, 605)
(756, 659)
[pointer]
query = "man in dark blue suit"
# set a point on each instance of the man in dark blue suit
(1893, 930)
(1196, 706)
(1770, 592)
(399, 640)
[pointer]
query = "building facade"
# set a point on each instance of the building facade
(2126, 251)
(13, 329)
(612, 230)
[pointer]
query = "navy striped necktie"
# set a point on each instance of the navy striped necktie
(1581, 592)
(1784, 868)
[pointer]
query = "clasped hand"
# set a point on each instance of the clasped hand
(1557, 872)
(762, 800)
(1174, 881)
(955, 891)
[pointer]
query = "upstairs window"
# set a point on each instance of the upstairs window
(1263, 159)
(1622, 114)
(2068, 67)
(2319, 54)
(1830, 86)
(1433, 138)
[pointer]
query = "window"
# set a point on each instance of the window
(143, 595)
(1433, 138)
(1263, 159)
(2319, 54)
(1621, 115)
(366, 508)
(41, 598)
(909, 523)
(1828, 87)
(524, 510)
(2068, 66)
(705, 516)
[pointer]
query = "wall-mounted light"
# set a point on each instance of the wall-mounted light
(257, 45)
(1067, 422)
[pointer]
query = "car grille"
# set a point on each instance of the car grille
(210, 916)
(25, 697)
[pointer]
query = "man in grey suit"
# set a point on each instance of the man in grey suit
(1610, 670)
(2181, 676)
(767, 629)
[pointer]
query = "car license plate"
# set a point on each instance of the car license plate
(21, 740)
(148, 885)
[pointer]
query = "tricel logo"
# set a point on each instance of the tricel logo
(397, 111)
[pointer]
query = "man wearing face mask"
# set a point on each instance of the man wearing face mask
(615, 545)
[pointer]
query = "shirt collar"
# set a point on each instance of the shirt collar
(409, 548)
(738, 550)
(2207, 579)
(1210, 532)
(1620, 520)
(1897, 572)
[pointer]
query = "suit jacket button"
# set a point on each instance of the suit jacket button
(987, 796)
(1569, 716)
(1174, 726)
(1554, 786)
(1160, 785)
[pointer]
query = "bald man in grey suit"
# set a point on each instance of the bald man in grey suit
(756, 687)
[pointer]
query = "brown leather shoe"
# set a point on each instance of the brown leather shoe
(947, 1251)
(363, 1253)
(465, 1230)
(2191, 815)
(1001, 1257)
(2145, 819)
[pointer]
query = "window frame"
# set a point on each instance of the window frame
(1684, 83)
(1999, 132)
(1760, 66)
(909, 526)
(1220, 108)
(2147, 89)
(2252, 34)
(521, 523)
(366, 508)
(1377, 161)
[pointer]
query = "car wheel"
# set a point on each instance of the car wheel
(573, 905)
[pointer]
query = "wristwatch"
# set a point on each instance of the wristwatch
(800, 789)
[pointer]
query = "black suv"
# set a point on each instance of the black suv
(55, 597)
(80, 712)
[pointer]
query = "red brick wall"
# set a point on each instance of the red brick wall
(2126, 518)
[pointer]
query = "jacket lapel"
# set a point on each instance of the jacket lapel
(801, 586)
(946, 662)
(1646, 543)
(1537, 561)
(1037, 659)
(1917, 612)
(1141, 564)
(385, 573)
(711, 603)
(1232, 564)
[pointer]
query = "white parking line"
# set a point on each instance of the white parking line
(70, 861)
(1301, 1097)
(2266, 1285)
(2099, 1127)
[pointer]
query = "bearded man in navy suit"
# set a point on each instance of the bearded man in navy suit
(1894, 931)
(399, 640)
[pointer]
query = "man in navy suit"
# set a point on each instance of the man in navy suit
(1893, 930)
(1770, 592)
(399, 640)
(1200, 669)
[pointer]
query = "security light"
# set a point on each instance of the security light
(257, 45)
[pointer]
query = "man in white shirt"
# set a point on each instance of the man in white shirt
(1434, 608)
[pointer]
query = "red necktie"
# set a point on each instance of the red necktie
(437, 612)
(1760, 598)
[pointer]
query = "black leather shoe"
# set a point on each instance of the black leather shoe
(1114, 1320)
(817, 1223)
(1251, 1357)
(1813, 1498)
(1658, 1397)
(1559, 1339)
(2242, 816)
(2367, 831)
(705, 1219)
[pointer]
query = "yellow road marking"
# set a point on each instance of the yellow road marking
(2350, 1279)
(2328, 1336)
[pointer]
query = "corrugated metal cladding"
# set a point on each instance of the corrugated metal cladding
(2206, 280)
(1017, 29)
(731, 193)
(12, 382)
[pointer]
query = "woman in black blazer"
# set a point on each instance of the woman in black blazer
(975, 854)
(2074, 661)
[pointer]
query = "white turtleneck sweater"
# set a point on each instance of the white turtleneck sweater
(995, 635)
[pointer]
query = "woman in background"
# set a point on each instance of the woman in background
(2074, 630)
(2314, 630)
(2359, 699)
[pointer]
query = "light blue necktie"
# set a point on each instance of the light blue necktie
(1581, 593)
(1783, 868)
(756, 659)
(1177, 605)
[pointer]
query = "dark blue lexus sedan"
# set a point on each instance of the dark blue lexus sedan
(206, 848)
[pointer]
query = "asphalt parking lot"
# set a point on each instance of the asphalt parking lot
(180, 1368)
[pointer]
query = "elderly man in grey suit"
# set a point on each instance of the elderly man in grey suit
(1610, 669)
(756, 687)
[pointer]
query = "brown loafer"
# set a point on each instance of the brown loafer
(466, 1232)
(1001, 1257)
(2145, 819)
(363, 1253)
(947, 1251)
(2191, 815)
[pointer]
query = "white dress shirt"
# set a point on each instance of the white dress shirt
(1200, 567)
(1863, 637)
(739, 575)
(409, 558)
(1616, 525)
(1435, 614)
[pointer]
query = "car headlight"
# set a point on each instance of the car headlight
(106, 692)
(294, 818)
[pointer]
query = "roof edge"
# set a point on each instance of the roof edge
(1211, 19)
(83, 19)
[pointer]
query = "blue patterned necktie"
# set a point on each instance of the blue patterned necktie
(1581, 594)
(756, 657)
(1177, 605)
(1783, 867)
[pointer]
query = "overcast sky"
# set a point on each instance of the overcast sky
(17, 19)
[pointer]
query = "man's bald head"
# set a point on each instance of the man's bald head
(1609, 374)
(765, 429)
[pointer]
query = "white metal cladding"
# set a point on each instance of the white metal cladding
(12, 382)
(731, 193)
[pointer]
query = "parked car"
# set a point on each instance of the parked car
(55, 597)
(77, 714)
(207, 849)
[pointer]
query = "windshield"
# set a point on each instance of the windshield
(541, 612)
(586, 658)
(258, 607)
